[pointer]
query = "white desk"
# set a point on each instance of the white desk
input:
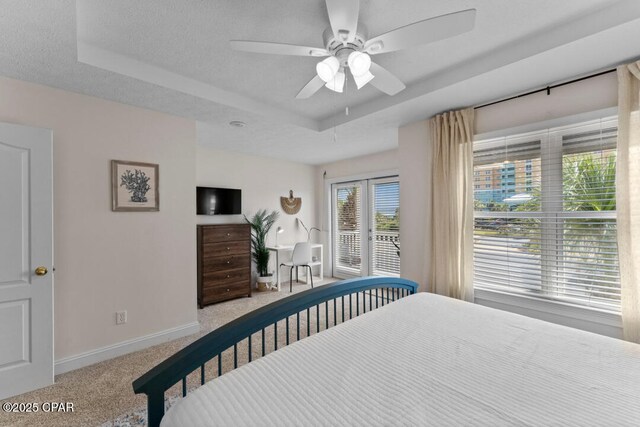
(280, 250)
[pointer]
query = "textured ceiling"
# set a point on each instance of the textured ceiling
(515, 46)
(191, 38)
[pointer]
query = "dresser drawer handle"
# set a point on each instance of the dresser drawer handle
(229, 262)
(228, 234)
(228, 275)
(228, 249)
(227, 290)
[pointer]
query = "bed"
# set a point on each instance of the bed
(418, 359)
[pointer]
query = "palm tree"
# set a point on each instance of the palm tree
(589, 185)
(589, 182)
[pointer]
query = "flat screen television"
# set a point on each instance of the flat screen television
(218, 201)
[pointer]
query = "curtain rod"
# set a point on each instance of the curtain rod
(547, 89)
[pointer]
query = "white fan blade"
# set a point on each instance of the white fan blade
(384, 80)
(427, 31)
(277, 48)
(343, 15)
(310, 88)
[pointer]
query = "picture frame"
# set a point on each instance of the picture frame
(134, 186)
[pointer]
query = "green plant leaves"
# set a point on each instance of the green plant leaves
(261, 224)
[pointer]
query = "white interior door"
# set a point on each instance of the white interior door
(26, 259)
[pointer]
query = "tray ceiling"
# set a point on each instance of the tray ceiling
(174, 56)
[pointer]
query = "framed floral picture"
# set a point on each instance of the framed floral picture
(134, 186)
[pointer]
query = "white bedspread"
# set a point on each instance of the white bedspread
(429, 360)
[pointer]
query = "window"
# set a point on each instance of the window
(552, 234)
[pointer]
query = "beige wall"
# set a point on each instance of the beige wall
(109, 261)
(386, 160)
(588, 95)
(415, 208)
(262, 181)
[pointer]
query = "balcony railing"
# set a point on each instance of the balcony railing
(386, 260)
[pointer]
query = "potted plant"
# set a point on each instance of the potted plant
(261, 223)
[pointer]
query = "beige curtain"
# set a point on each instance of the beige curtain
(628, 197)
(452, 204)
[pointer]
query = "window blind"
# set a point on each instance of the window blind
(348, 220)
(545, 219)
(385, 227)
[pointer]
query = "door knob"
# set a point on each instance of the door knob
(41, 271)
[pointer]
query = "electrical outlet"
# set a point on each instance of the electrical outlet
(121, 317)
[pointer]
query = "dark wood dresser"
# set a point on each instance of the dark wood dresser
(224, 262)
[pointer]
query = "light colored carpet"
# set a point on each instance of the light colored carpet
(102, 392)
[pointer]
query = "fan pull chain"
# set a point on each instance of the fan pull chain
(335, 131)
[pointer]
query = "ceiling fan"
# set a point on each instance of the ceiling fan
(347, 46)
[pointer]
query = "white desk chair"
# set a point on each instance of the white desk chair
(301, 257)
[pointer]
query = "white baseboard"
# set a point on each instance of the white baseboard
(71, 363)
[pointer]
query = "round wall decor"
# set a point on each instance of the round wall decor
(291, 205)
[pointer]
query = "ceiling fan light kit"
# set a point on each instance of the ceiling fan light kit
(363, 79)
(328, 68)
(337, 84)
(347, 45)
(359, 63)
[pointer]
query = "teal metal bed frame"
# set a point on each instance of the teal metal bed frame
(378, 291)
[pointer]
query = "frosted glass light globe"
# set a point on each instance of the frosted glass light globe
(327, 68)
(363, 79)
(359, 63)
(337, 84)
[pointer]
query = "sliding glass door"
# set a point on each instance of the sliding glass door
(366, 228)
